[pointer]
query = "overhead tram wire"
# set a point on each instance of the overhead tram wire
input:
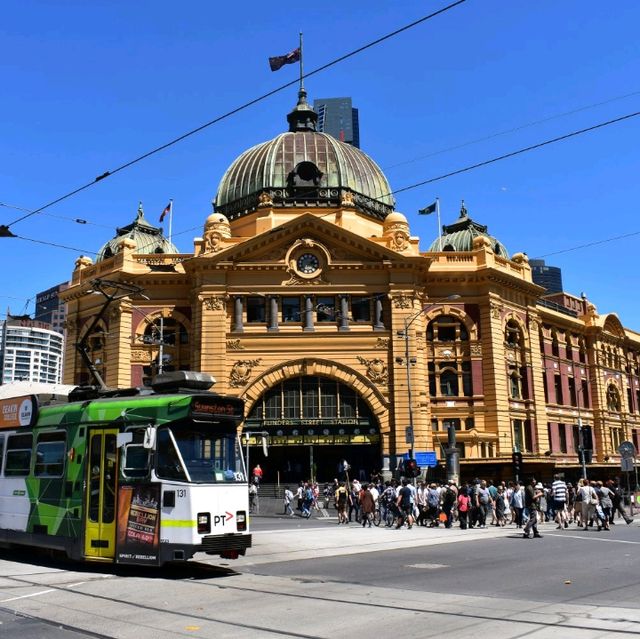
(520, 127)
(478, 165)
(76, 220)
(533, 147)
(62, 246)
(242, 107)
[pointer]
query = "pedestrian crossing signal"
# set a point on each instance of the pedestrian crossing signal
(411, 468)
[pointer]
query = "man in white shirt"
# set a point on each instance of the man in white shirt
(588, 500)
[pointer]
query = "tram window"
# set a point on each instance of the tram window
(169, 466)
(18, 460)
(135, 461)
(1, 452)
(50, 453)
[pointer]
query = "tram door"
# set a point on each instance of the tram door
(100, 510)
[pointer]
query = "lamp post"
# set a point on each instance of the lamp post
(408, 321)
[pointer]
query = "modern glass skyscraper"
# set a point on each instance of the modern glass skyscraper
(30, 351)
(548, 276)
(338, 118)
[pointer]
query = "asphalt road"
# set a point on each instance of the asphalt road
(314, 579)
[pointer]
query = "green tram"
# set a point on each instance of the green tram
(135, 476)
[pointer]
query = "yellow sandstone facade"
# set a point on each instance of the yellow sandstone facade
(308, 297)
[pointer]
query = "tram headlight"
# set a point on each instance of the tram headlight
(204, 523)
(241, 520)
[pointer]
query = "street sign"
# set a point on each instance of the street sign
(627, 449)
(427, 458)
(627, 464)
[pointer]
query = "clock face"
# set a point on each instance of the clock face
(308, 263)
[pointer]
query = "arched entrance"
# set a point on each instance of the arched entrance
(313, 423)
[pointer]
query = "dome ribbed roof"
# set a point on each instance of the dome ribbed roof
(303, 168)
(459, 236)
(148, 238)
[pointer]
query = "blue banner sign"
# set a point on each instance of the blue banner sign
(425, 458)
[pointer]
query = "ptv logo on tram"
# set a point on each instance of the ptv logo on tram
(221, 519)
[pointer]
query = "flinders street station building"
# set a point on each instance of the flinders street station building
(308, 297)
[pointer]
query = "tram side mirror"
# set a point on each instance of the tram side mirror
(123, 438)
(149, 437)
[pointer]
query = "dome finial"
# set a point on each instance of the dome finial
(303, 117)
(140, 211)
(463, 210)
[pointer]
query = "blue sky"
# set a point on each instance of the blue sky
(88, 86)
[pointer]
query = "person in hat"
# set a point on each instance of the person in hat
(532, 496)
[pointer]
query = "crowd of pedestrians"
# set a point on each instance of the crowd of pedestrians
(475, 504)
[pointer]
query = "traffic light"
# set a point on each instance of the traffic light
(586, 444)
(516, 459)
(411, 468)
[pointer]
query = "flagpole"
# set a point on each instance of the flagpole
(170, 218)
(301, 67)
(439, 225)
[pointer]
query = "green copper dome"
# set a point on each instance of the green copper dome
(303, 168)
(148, 238)
(459, 236)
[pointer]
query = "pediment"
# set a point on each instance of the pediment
(339, 246)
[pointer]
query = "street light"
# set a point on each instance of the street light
(408, 321)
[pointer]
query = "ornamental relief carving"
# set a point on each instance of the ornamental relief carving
(399, 241)
(215, 302)
(213, 242)
(402, 301)
(382, 343)
(496, 310)
(420, 342)
(139, 356)
(476, 350)
(241, 372)
(376, 369)
(347, 200)
(234, 345)
(295, 280)
(265, 200)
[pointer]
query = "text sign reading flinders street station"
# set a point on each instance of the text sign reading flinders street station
(304, 432)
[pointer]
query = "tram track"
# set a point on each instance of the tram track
(562, 622)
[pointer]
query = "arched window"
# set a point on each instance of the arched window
(451, 377)
(449, 382)
(513, 334)
(167, 338)
(515, 385)
(446, 328)
(613, 398)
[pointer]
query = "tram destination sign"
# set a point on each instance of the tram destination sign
(214, 406)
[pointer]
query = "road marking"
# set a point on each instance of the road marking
(611, 541)
(33, 594)
(427, 566)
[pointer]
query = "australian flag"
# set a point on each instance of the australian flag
(280, 60)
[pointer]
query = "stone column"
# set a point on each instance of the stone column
(344, 313)
(377, 315)
(237, 314)
(308, 313)
(273, 314)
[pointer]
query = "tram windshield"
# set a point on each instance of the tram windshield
(192, 452)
